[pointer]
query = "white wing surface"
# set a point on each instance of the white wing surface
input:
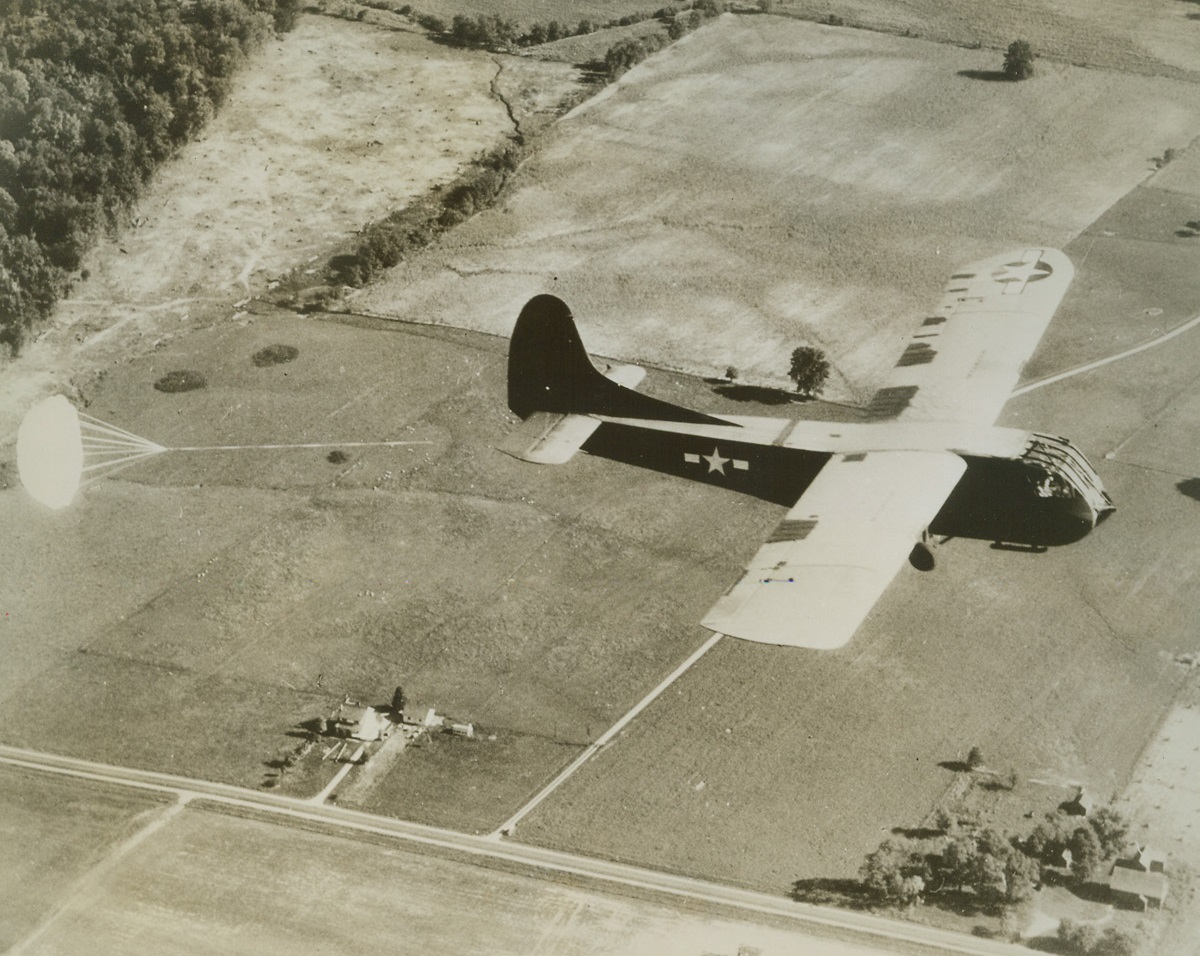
(964, 360)
(828, 562)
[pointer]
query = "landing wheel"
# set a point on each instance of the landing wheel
(922, 556)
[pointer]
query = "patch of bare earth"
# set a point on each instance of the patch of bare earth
(765, 182)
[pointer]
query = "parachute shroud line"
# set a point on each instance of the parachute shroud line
(59, 448)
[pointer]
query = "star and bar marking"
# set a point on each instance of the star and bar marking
(1014, 276)
(716, 461)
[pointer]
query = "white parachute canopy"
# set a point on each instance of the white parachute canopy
(50, 452)
(56, 447)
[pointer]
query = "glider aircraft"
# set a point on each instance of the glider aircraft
(863, 496)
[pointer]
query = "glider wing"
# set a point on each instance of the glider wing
(964, 360)
(826, 564)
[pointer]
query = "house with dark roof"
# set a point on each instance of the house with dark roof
(1139, 881)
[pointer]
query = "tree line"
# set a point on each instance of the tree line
(999, 871)
(994, 867)
(386, 242)
(493, 32)
(93, 97)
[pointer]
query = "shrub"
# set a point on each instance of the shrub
(274, 355)
(1018, 60)
(183, 380)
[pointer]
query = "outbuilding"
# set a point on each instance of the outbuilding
(1139, 881)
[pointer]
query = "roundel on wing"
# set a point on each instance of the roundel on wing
(1023, 272)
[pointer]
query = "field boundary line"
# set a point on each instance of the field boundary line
(510, 824)
(1099, 363)
(92, 882)
(480, 849)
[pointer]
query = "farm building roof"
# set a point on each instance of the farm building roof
(1152, 886)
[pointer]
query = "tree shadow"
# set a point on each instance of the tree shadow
(595, 71)
(844, 893)
(759, 394)
(962, 902)
(988, 76)
(1189, 487)
(1092, 891)
(918, 833)
(307, 729)
(1047, 944)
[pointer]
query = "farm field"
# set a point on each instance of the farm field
(857, 171)
(55, 832)
(847, 743)
(1154, 37)
(193, 880)
(199, 606)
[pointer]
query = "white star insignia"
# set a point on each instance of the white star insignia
(715, 461)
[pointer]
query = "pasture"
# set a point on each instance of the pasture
(766, 183)
(199, 606)
(1156, 37)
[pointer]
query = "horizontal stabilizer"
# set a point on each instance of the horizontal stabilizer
(547, 438)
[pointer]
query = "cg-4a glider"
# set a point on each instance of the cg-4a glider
(863, 496)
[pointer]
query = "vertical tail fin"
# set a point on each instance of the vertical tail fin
(550, 371)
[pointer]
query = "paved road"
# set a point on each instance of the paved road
(863, 932)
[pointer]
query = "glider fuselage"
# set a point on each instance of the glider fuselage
(1019, 487)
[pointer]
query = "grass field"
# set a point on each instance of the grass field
(536, 603)
(54, 832)
(1154, 37)
(855, 173)
(1058, 665)
(206, 882)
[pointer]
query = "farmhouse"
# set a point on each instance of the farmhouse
(359, 721)
(1139, 881)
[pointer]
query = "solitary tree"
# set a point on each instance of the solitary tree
(810, 370)
(1018, 61)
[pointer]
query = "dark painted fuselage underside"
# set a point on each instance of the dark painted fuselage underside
(996, 499)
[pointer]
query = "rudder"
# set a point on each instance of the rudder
(549, 371)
